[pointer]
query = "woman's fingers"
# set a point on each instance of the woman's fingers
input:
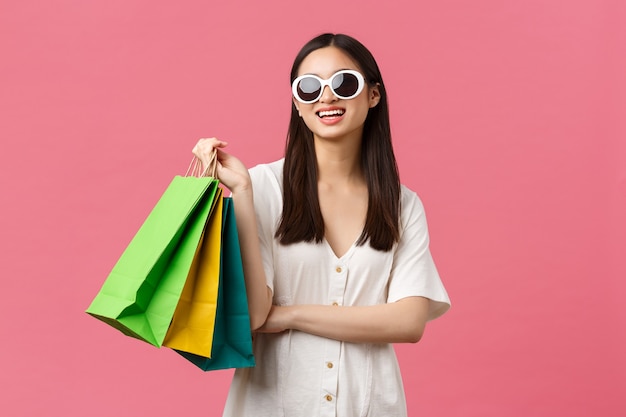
(230, 170)
(204, 150)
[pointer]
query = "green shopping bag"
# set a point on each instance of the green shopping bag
(141, 292)
(232, 336)
(193, 324)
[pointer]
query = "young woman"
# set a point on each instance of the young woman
(335, 249)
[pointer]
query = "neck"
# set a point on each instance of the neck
(339, 159)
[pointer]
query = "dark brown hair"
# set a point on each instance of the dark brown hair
(301, 217)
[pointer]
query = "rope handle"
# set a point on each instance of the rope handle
(195, 167)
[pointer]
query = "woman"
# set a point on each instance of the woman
(335, 250)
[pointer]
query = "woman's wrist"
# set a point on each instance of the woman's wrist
(243, 187)
(291, 318)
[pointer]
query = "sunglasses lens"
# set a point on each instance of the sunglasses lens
(309, 89)
(345, 85)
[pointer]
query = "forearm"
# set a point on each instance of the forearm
(399, 322)
(259, 295)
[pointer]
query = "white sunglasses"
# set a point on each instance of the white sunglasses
(344, 84)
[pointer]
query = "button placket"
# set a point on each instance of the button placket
(337, 284)
(330, 377)
(338, 279)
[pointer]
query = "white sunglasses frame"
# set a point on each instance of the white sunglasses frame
(328, 82)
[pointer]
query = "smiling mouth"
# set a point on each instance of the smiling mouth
(330, 113)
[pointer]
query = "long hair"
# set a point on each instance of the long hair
(301, 219)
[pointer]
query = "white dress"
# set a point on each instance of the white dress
(302, 375)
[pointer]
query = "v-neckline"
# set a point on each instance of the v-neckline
(347, 253)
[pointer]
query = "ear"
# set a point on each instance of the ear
(374, 95)
(295, 103)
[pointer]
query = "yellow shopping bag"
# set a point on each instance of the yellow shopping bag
(193, 323)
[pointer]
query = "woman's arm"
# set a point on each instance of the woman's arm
(400, 322)
(259, 294)
(234, 175)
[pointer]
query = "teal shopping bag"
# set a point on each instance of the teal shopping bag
(141, 293)
(232, 337)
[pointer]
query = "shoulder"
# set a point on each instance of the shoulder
(267, 186)
(411, 209)
(265, 174)
(410, 202)
(268, 177)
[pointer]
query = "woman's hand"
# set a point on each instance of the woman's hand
(230, 170)
(277, 320)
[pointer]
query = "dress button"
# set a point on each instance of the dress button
(338, 269)
(329, 398)
(329, 365)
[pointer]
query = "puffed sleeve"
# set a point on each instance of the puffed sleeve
(414, 272)
(266, 188)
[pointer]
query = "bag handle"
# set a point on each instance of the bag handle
(195, 167)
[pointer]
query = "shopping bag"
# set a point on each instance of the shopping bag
(193, 323)
(140, 294)
(232, 337)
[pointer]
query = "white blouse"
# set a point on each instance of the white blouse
(299, 374)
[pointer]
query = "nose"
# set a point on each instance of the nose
(327, 95)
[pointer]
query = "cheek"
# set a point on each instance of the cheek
(308, 117)
(361, 111)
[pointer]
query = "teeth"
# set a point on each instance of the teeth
(337, 112)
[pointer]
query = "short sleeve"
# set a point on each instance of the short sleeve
(414, 272)
(266, 188)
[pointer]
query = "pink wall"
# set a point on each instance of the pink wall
(508, 118)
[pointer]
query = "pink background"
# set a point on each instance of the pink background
(508, 119)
